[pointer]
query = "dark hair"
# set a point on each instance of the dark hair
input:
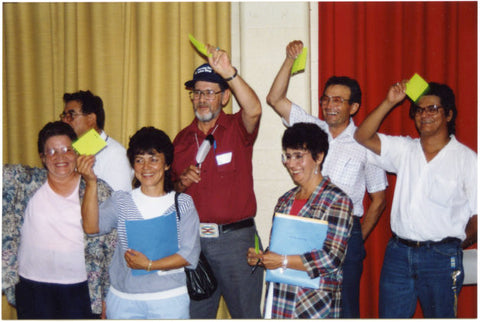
(352, 84)
(306, 136)
(53, 129)
(90, 104)
(447, 99)
(147, 140)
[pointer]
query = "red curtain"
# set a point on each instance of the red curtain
(380, 43)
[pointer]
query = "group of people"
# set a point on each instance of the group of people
(68, 228)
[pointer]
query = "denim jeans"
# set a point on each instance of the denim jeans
(242, 291)
(424, 273)
(352, 272)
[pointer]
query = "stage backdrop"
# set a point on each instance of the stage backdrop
(380, 43)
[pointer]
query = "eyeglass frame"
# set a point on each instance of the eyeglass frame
(71, 115)
(330, 99)
(63, 150)
(295, 156)
(205, 93)
(430, 109)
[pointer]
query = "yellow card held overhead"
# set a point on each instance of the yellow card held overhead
(300, 61)
(416, 87)
(89, 143)
(199, 46)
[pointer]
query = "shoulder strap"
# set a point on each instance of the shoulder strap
(176, 205)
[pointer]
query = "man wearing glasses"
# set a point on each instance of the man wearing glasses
(434, 210)
(345, 164)
(84, 111)
(221, 183)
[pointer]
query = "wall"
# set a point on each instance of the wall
(260, 34)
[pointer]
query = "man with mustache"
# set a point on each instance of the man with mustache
(434, 210)
(345, 164)
(222, 184)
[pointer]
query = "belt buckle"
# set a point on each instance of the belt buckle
(209, 230)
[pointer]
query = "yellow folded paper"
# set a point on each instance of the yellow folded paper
(300, 61)
(199, 46)
(416, 87)
(89, 143)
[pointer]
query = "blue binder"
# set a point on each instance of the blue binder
(293, 235)
(155, 238)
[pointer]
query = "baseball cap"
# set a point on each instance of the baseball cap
(206, 73)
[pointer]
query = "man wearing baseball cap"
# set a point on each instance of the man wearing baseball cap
(221, 185)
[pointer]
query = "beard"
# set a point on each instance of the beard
(208, 116)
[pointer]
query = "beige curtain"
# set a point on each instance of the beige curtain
(135, 56)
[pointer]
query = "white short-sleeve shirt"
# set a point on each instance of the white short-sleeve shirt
(432, 200)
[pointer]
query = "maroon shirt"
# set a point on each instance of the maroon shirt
(225, 193)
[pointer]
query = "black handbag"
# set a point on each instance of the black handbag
(201, 282)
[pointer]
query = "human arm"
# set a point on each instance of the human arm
(366, 133)
(377, 206)
(89, 206)
(246, 97)
(137, 260)
(277, 97)
(189, 176)
(471, 231)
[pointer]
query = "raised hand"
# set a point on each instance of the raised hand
(294, 48)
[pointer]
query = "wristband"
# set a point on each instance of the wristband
(149, 267)
(230, 78)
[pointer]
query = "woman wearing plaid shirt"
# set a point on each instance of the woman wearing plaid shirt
(305, 147)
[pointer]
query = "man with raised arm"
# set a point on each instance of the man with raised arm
(434, 210)
(345, 164)
(221, 185)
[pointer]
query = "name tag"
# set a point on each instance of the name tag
(209, 230)
(224, 158)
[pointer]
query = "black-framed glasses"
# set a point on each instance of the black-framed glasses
(295, 156)
(336, 100)
(63, 150)
(430, 109)
(70, 115)
(209, 94)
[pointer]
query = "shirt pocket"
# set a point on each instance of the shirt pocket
(347, 170)
(445, 192)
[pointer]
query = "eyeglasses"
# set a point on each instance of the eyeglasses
(63, 150)
(70, 115)
(336, 100)
(295, 156)
(430, 109)
(209, 94)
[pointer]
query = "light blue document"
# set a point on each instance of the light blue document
(155, 238)
(293, 235)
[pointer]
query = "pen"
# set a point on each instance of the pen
(254, 268)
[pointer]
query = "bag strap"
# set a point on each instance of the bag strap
(176, 205)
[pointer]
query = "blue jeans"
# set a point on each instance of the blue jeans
(242, 291)
(423, 273)
(352, 272)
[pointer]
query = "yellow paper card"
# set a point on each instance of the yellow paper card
(199, 46)
(416, 87)
(89, 143)
(300, 61)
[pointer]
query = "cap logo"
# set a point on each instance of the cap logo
(204, 69)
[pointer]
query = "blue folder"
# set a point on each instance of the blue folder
(155, 238)
(293, 235)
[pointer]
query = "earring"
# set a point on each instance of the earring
(316, 170)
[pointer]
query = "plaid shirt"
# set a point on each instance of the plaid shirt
(328, 203)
